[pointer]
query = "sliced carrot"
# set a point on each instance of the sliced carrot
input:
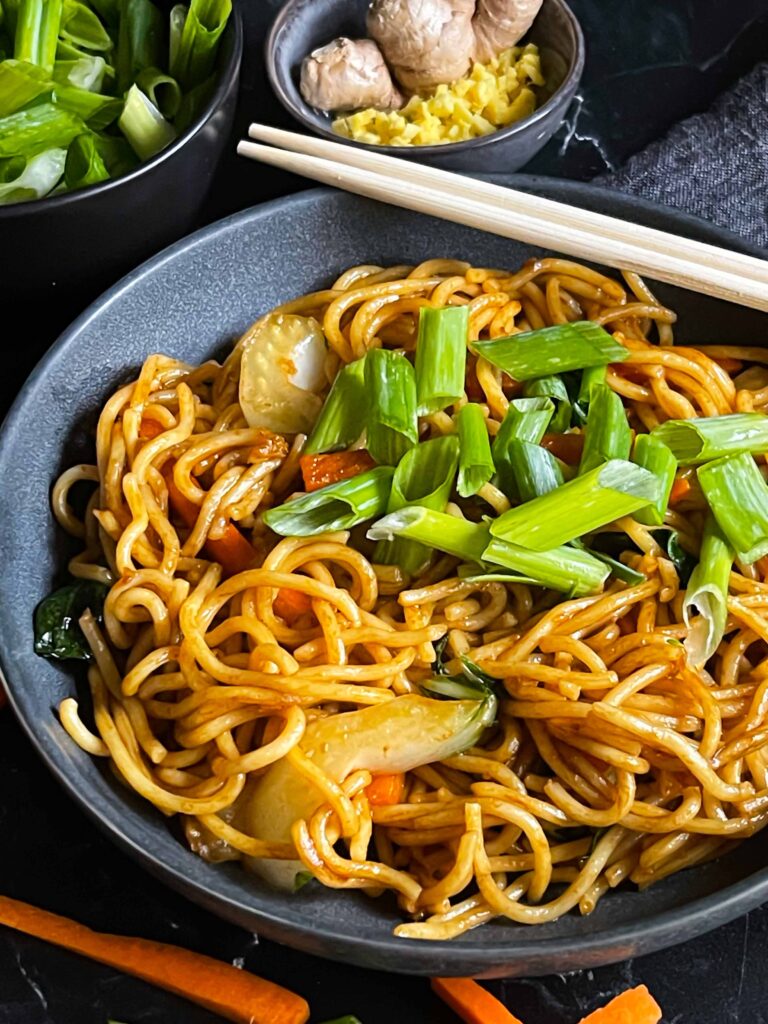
(321, 470)
(680, 489)
(150, 428)
(290, 605)
(385, 790)
(231, 550)
(234, 994)
(635, 1006)
(473, 1003)
(566, 447)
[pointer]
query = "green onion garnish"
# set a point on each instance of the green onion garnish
(552, 350)
(33, 178)
(390, 384)
(590, 376)
(85, 165)
(441, 357)
(738, 496)
(439, 530)
(554, 388)
(143, 125)
(701, 440)
(475, 462)
(424, 476)
(81, 27)
(96, 110)
(342, 418)
(139, 42)
(606, 435)
(526, 420)
(580, 506)
(195, 52)
(20, 84)
(37, 32)
(707, 595)
(37, 128)
(336, 507)
(567, 569)
(622, 572)
(653, 455)
(163, 90)
(535, 470)
(84, 72)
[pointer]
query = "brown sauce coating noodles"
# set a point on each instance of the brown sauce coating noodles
(611, 759)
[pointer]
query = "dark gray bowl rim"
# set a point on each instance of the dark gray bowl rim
(571, 79)
(655, 932)
(226, 80)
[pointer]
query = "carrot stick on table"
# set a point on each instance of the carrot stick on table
(635, 1006)
(234, 994)
(473, 1003)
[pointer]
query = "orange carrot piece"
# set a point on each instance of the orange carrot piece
(470, 1001)
(231, 550)
(635, 1006)
(566, 447)
(321, 470)
(290, 605)
(234, 994)
(385, 790)
(149, 428)
(680, 489)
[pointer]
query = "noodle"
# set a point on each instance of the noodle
(611, 758)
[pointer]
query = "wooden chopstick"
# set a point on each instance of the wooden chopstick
(513, 214)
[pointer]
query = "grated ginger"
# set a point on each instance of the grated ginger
(491, 96)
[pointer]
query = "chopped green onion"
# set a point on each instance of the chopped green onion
(196, 51)
(342, 418)
(336, 507)
(424, 477)
(590, 376)
(702, 440)
(143, 125)
(580, 506)
(535, 470)
(607, 435)
(84, 163)
(163, 90)
(567, 569)
(44, 126)
(439, 530)
(139, 43)
(176, 21)
(653, 455)
(84, 72)
(527, 419)
(116, 153)
(96, 110)
(554, 388)
(470, 574)
(20, 84)
(738, 496)
(475, 462)
(622, 572)
(193, 103)
(37, 32)
(35, 178)
(552, 350)
(441, 357)
(707, 594)
(390, 384)
(108, 11)
(82, 27)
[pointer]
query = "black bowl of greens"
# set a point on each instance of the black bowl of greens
(113, 117)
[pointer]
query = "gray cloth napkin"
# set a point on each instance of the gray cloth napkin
(714, 165)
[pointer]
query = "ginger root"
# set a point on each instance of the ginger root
(348, 74)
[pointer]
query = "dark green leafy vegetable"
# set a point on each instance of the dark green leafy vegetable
(57, 631)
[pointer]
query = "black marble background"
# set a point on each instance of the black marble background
(650, 63)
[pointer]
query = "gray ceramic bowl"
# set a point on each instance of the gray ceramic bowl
(192, 301)
(303, 25)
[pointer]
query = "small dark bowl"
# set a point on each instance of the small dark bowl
(73, 245)
(303, 25)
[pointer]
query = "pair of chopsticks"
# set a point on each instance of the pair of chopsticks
(697, 266)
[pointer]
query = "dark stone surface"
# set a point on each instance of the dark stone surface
(650, 62)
